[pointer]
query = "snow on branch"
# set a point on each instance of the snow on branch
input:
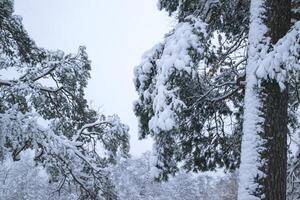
(176, 60)
(70, 157)
(283, 59)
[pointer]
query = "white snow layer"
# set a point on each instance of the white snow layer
(284, 58)
(249, 152)
(173, 58)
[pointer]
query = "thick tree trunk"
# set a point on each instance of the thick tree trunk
(249, 172)
(274, 112)
(274, 135)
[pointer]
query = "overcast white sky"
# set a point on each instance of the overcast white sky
(116, 34)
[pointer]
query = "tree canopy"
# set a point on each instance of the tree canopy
(42, 107)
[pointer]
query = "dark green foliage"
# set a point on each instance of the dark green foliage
(203, 100)
(44, 108)
(229, 17)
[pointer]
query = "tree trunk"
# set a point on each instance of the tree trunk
(274, 112)
(274, 135)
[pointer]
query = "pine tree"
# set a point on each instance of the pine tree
(191, 86)
(191, 90)
(223, 85)
(272, 68)
(42, 107)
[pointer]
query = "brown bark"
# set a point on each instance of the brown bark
(274, 133)
(274, 112)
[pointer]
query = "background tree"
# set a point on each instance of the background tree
(25, 181)
(133, 179)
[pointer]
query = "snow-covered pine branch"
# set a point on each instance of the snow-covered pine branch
(43, 108)
(190, 90)
(283, 59)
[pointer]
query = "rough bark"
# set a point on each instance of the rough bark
(274, 112)
(274, 135)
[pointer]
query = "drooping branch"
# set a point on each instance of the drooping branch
(11, 83)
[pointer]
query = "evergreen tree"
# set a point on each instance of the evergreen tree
(228, 70)
(191, 86)
(42, 107)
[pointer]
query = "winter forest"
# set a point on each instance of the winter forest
(218, 97)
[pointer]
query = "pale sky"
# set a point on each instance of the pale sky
(116, 34)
